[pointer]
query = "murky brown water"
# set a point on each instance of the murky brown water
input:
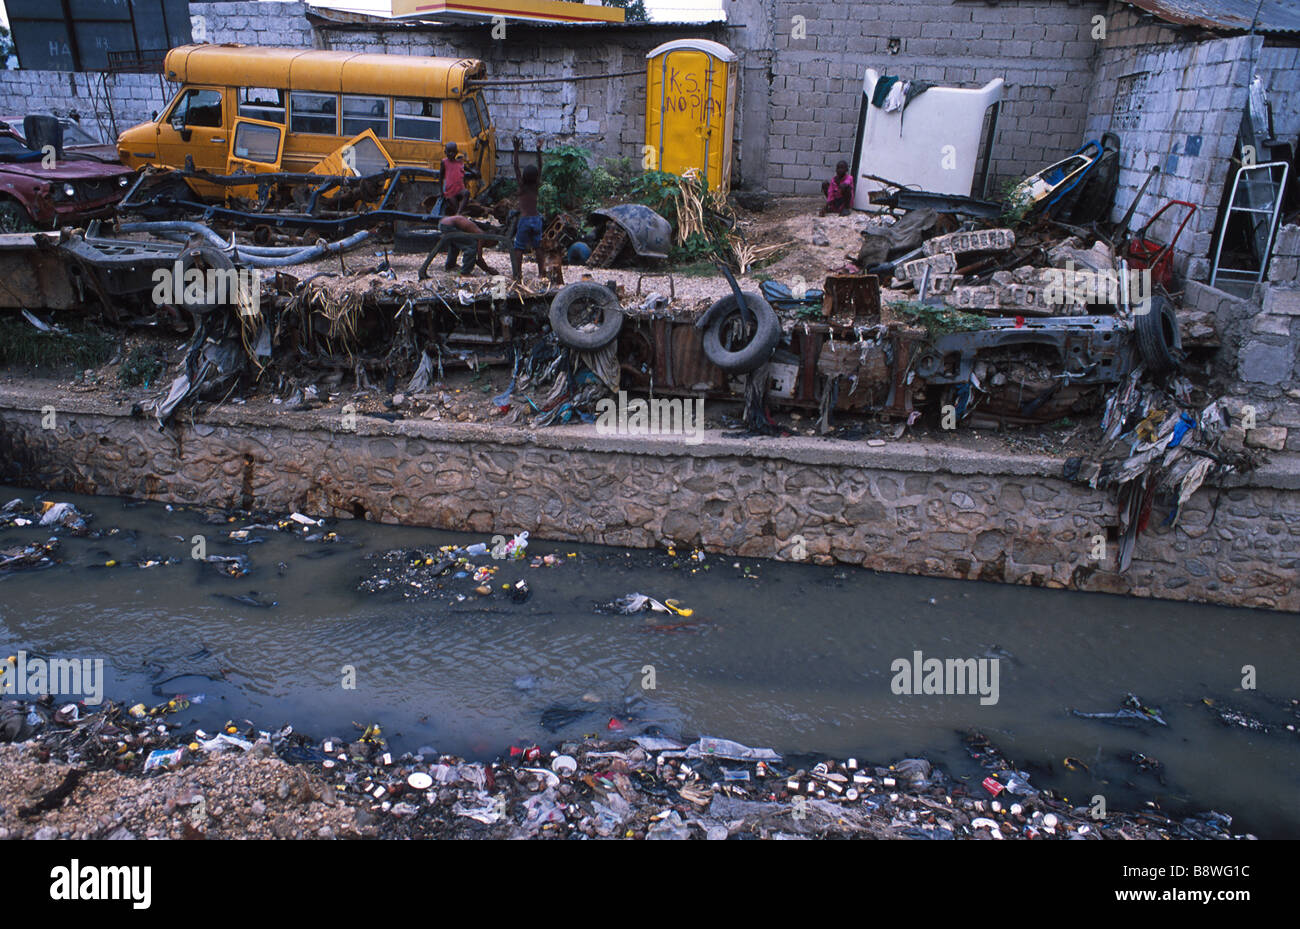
(795, 657)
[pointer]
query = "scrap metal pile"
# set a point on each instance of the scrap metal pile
(992, 315)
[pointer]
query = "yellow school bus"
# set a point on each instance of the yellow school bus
(285, 109)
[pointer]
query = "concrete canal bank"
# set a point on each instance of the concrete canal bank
(920, 508)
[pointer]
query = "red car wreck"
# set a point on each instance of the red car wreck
(40, 191)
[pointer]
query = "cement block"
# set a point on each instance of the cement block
(1282, 301)
(937, 264)
(1269, 437)
(1262, 363)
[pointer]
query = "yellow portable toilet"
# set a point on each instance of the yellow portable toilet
(690, 108)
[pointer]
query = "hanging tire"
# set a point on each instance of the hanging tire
(204, 258)
(589, 298)
(720, 320)
(1159, 340)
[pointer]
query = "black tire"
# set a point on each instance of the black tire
(762, 340)
(588, 296)
(13, 217)
(204, 257)
(410, 239)
(1159, 340)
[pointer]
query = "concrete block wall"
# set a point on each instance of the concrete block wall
(136, 97)
(1284, 269)
(605, 116)
(1043, 50)
(1176, 104)
(268, 22)
(79, 96)
(1269, 352)
(1278, 67)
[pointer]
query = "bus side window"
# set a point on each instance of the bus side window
(264, 103)
(417, 118)
(362, 113)
(313, 113)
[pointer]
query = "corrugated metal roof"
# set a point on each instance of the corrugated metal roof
(1227, 15)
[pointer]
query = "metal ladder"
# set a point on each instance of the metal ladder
(1259, 198)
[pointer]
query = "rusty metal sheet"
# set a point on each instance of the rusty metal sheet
(33, 274)
(690, 366)
(1226, 15)
(852, 299)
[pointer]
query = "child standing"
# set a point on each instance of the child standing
(454, 191)
(528, 235)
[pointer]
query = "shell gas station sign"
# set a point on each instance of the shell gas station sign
(477, 11)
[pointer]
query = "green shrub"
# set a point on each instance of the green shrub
(82, 346)
(141, 368)
(938, 320)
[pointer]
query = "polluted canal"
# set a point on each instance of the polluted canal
(284, 621)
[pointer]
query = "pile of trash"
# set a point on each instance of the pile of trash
(644, 787)
(417, 574)
(1156, 445)
(44, 514)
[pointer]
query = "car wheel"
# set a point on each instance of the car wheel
(205, 258)
(600, 320)
(731, 342)
(1159, 340)
(13, 218)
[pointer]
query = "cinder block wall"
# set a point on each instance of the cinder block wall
(605, 116)
(1279, 68)
(136, 97)
(80, 96)
(1177, 104)
(1042, 49)
(269, 22)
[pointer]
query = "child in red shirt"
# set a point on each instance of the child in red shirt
(453, 180)
(839, 191)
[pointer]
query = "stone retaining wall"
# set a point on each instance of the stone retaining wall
(923, 509)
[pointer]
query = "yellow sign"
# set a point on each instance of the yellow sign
(549, 11)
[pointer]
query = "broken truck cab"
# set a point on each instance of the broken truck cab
(412, 104)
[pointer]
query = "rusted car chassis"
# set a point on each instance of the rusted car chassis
(157, 193)
(895, 371)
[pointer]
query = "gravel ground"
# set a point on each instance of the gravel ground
(224, 797)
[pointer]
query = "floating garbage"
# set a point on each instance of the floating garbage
(1132, 708)
(31, 555)
(637, 603)
(732, 751)
(230, 565)
(63, 515)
